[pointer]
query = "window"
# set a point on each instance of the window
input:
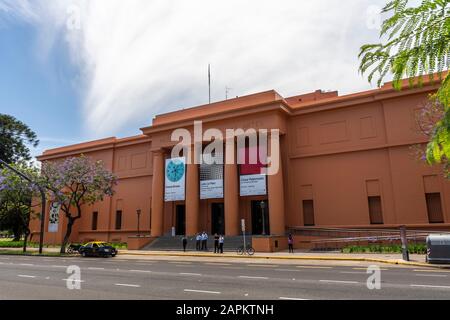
(308, 213)
(434, 207)
(375, 210)
(94, 220)
(118, 219)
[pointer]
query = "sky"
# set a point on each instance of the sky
(89, 69)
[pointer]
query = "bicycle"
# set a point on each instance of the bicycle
(73, 248)
(249, 250)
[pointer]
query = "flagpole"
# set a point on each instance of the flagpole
(209, 83)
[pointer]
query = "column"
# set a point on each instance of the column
(231, 189)
(157, 194)
(276, 196)
(192, 197)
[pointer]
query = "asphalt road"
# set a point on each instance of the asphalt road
(122, 278)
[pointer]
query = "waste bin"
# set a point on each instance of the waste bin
(438, 248)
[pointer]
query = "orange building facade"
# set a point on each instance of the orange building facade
(345, 161)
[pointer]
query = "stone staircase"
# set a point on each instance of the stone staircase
(169, 243)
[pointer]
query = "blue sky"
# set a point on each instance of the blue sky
(86, 69)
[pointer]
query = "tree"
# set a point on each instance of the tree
(74, 183)
(16, 196)
(14, 137)
(416, 43)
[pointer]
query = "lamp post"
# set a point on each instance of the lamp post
(41, 190)
(263, 209)
(138, 212)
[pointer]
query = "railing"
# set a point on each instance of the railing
(337, 238)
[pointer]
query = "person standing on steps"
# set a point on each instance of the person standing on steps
(221, 241)
(198, 240)
(206, 240)
(291, 243)
(184, 240)
(216, 243)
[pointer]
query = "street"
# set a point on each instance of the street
(126, 277)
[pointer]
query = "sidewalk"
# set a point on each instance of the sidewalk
(393, 259)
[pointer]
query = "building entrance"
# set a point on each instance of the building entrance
(260, 217)
(180, 220)
(217, 218)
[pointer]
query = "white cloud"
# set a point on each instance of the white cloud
(140, 58)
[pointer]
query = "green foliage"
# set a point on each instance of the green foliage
(412, 248)
(14, 138)
(15, 199)
(415, 43)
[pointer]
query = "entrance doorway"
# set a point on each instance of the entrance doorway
(180, 220)
(260, 217)
(217, 218)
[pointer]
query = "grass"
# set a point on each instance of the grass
(19, 244)
(412, 248)
(21, 253)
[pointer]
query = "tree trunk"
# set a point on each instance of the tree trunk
(25, 239)
(67, 235)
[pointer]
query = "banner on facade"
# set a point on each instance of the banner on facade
(175, 179)
(253, 185)
(53, 222)
(211, 177)
(252, 182)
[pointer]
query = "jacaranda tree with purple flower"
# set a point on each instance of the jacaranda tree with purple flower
(74, 183)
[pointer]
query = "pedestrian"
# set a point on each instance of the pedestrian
(291, 243)
(202, 240)
(221, 241)
(205, 240)
(216, 243)
(184, 240)
(198, 240)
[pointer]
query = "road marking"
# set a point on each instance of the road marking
(25, 276)
(56, 266)
(250, 277)
(432, 275)
(287, 298)
(189, 274)
(179, 262)
(313, 267)
(339, 281)
(127, 285)
(263, 265)
(428, 270)
(218, 264)
(4, 258)
(202, 291)
(95, 268)
(288, 270)
(359, 268)
(141, 271)
(26, 264)
(352, 272)
(73, 280)
(429, 286)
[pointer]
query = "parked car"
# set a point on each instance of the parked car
(97, 249)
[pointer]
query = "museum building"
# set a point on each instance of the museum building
(345, 162)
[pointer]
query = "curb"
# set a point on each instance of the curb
(316, 258)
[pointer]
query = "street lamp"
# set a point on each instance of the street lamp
(263, 209)
(138, 212)
(41, 190)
